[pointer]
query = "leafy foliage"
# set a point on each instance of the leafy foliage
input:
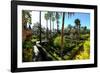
(27, 44)
(27, 51)
(68, 43)
(57, 41)
(27, 55)
(85, 53)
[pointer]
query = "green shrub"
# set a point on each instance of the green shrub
(57, 41)
(27, 44)
(87, 46)
(27, 55)
(85, 54)
(84, 36)
(27, 51)
(67, 57)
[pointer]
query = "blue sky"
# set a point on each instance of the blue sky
(84, 19)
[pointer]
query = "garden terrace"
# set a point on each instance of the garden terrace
(51, 38)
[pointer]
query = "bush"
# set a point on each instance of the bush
(27, 55)
(27, 51)
(84, 37)
(87, 46)
(57, 42)
(85, 53)
(34, 38)
(27, 44)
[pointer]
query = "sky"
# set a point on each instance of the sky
(84, 19)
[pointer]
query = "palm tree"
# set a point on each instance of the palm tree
(57, 20)
(62, 32)
(50, 17)
(77, 23)
(46, 18)
(53, 19)
(40, 25)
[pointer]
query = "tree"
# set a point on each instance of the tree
(36, 28)
(69, 28)
(50, 17)
(40, 25)
(53, 19)
(62, 32)
(85, 28)
(57, 20)
(77, 23)
(30, 26)
(26, 18)
(46, 18)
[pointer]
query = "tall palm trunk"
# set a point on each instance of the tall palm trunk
(57, 20)
(40, 26)
(62, 34)
(53, 28)
(47, 30)
(79, 33)
(57, 27)
(50, 26)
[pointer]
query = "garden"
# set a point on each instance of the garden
(54, 36)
